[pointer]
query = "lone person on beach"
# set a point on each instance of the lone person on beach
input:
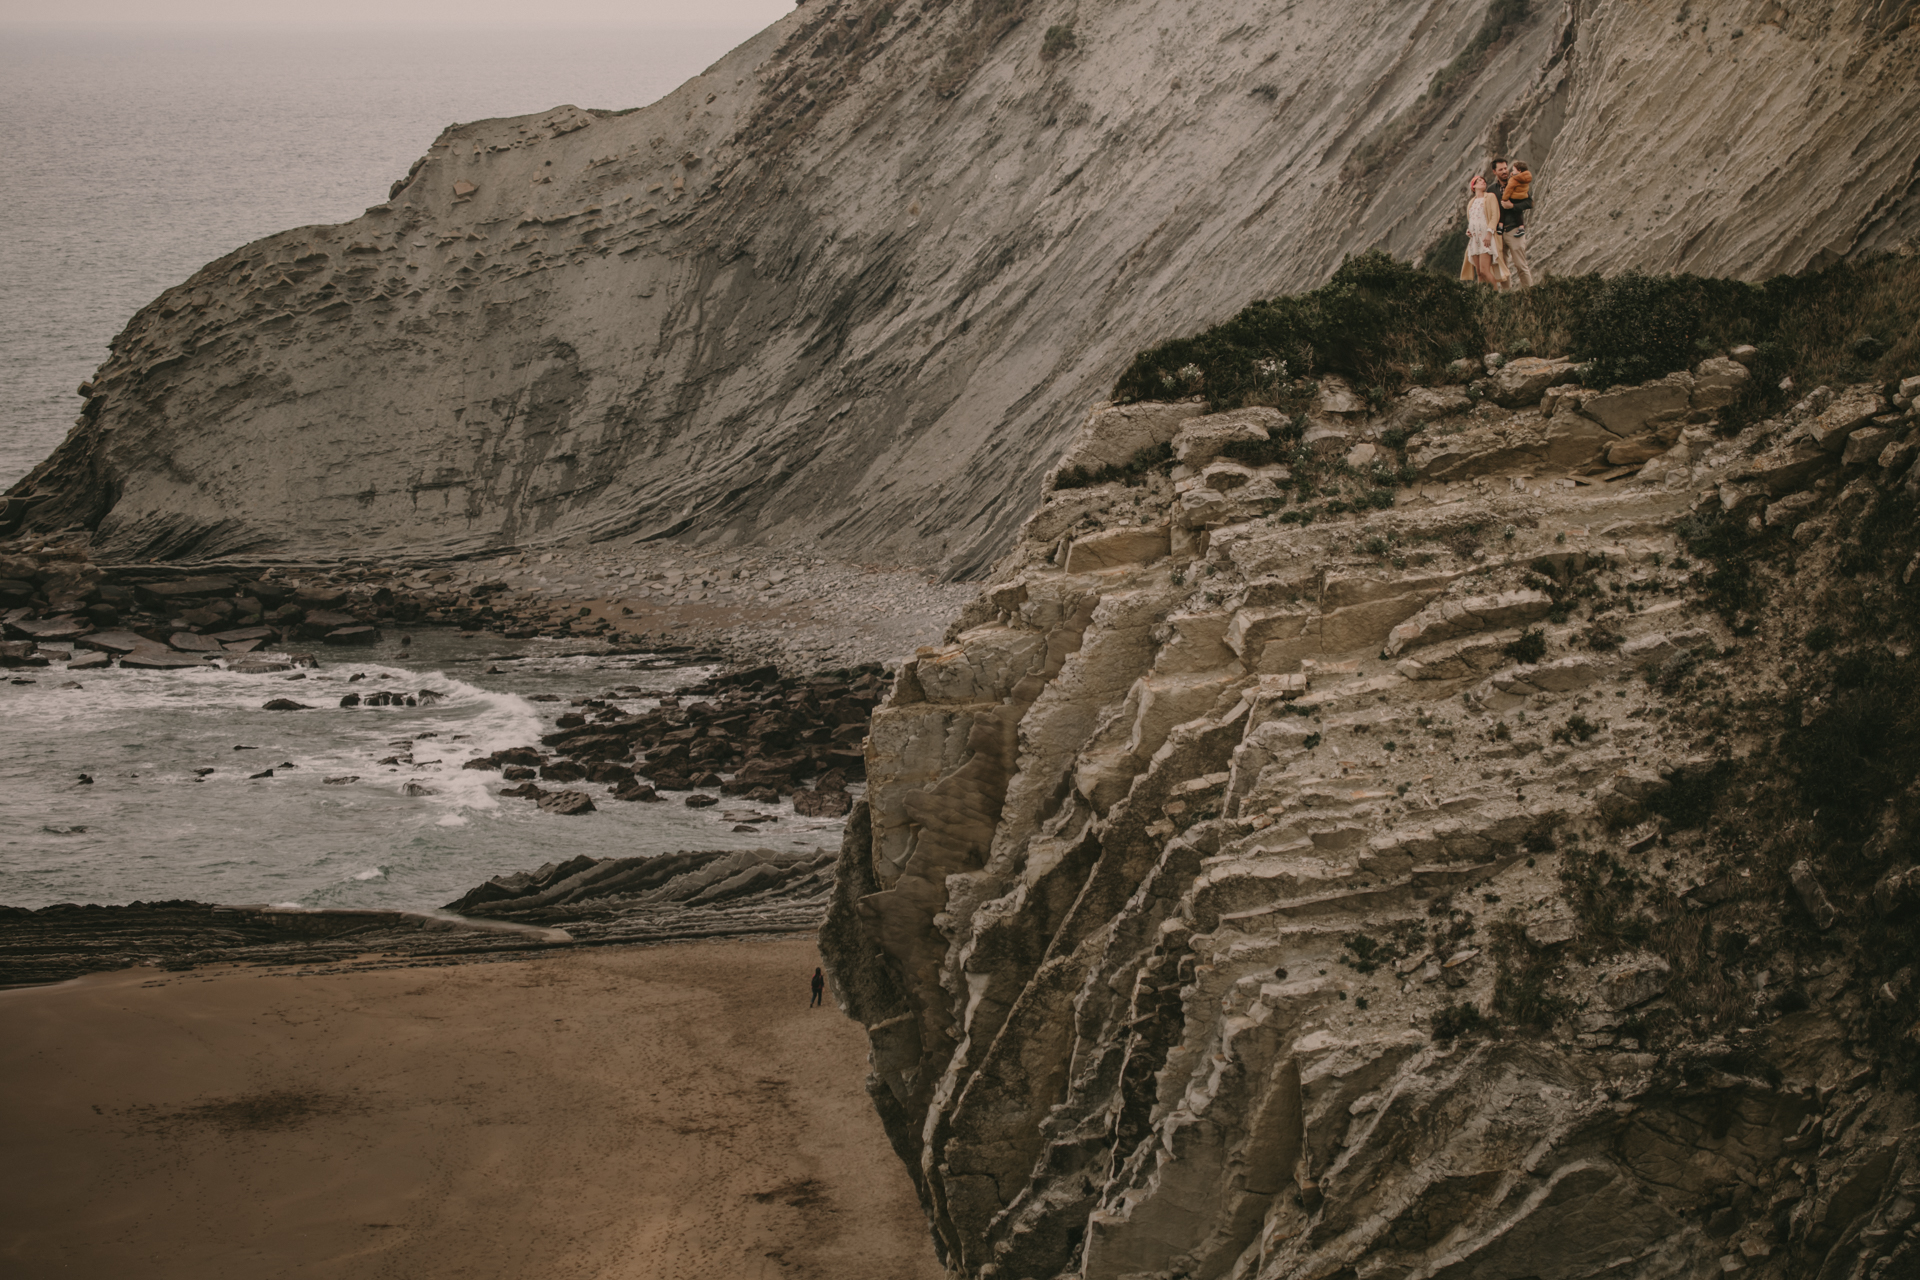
(819, 985)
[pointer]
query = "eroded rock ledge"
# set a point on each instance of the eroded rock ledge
(1247, 888)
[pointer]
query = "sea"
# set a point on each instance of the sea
(131, 159)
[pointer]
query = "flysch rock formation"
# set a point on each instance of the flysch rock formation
(856, 282)
(1191, 863)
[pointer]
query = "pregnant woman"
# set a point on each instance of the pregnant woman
(1484, 260)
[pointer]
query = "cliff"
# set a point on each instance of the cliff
(858, 280)
(1472, 839)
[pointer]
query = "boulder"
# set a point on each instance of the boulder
(637, 791)
(1633, 411)
(51, 628)
(519, 772)
(1635, 983)
(187, 642)
(1116, 548)
(1866, 445)
(89, 662)
(1847, 413)
(1201, 440)
(112, 641)
(822, 804)
(1422, 405)
(356, 635)
(284, 704)
(19, 653)
(1719, 382)
(562, 771)
(701, 801)
(1335, 395)
(1524, 381)
(566, 803)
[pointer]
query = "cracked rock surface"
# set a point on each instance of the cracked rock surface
(1292, 890)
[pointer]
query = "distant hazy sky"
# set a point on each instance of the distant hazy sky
(376, 13)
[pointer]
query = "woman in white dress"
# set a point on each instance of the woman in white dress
(1484, 261)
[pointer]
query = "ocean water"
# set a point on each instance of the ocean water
(131, 159)
(152, 825)
(134, 158)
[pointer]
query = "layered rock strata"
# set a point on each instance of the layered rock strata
(852, 283)
(1229, 898)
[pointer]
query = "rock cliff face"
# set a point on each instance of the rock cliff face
(1385, 883)
(856, 281)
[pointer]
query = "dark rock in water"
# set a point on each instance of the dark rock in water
(571, 720)
(479, 762)
(284, 704)
(519, 755)
(86, 780)
(562, 771)
(356, 676)
(762, 795)
(672, 782)
(610, 774)
(822, 804)
(701, 801)
(319, 622)
(264, 773)
(541, 697)
(342, 780)
(242, 646)
(353, 636)
(204, 772)
(741, 826)
(257, 667)
(566, 803)
(52, 628)
(637, 790)
(526, 791)
(187, 642)
(318, 597)
(112, 641)
(243, 633)
(89, 662)
(519, 772)
(152, 657)
(19, 653)
(707, 779)
(415, 789)
(350, 700)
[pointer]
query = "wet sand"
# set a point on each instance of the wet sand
(617, 1112)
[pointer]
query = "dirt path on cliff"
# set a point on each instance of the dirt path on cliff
(617, 1113)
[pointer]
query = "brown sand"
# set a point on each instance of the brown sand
(670, 1111)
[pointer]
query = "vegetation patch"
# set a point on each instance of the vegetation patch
(1385, 326)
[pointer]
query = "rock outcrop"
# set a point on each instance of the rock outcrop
(851, 283)
(1316, 879)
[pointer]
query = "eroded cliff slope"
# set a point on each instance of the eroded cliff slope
(857, 281)
(1476, 839)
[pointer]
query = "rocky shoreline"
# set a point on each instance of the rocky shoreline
(58, 604)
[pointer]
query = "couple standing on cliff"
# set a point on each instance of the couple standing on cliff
(1497, 226)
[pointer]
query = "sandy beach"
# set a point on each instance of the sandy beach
(608, 1113)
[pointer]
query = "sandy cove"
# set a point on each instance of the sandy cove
(620, 1112)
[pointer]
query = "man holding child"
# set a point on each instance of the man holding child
(1512, 184)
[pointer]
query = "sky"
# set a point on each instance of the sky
(345, 14)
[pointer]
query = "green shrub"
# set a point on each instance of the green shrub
(1386, 325)
(1454, 1021)
(1530, 647)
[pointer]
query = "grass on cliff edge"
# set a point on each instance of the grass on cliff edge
(1386, 325)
